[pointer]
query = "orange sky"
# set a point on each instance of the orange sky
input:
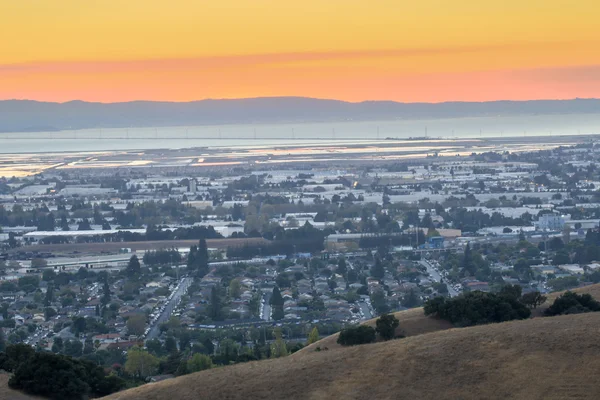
(180, 50)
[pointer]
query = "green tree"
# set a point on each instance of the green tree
(276, 302)
(136, 324)
(170, 344)
(378, 271)
(49, 312)
(155, 347)
(468, 263)
(60, 377)
(2, 340)
(313, 335)
(78, 325)
(473, 308)
(140, 363)
(133, 267)
(235, 288)
(199, 362)
(278, 348)
(49, 298)
(379, 301)
(533, 299)
(386, 326)
(215, 311)
(48, 275)
(198, 258)
(573, 303)
(57, 345)
(105, 292)
(567, 282)
(84, 225)
(411, 299)
(73, 348)
(342, 267)
(356, 335)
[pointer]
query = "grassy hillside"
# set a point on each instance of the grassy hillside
(412, 322)
(538, 358)
(542, 358)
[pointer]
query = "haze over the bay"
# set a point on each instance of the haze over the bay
(33, 116)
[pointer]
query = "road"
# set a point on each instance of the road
(365, 309)
(438, 277)
(166, 314)
(266, 307)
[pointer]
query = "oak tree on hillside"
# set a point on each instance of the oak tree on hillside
(533, 299)
(386, 326)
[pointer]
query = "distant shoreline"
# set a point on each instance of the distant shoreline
(263, 156)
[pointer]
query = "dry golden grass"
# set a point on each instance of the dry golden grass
(541, 358)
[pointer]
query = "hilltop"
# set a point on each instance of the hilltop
(17, 115)
(541, 358)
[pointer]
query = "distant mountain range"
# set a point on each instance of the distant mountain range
(27, 115)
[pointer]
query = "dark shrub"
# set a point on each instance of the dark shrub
(475, 308)
(386, 326)
(356, 335)
(573, 303)
(50, 375)
(56, 376)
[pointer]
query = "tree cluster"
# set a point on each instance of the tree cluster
(476, 308)
(573, 303)
(56, 376)
(356, 335)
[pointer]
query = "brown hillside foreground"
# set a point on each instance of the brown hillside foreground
(541, 358)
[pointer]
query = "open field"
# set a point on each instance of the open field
(540, 358)
(113, 247)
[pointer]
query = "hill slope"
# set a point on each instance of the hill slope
(413, 322)
(542, 358)
(24, 115)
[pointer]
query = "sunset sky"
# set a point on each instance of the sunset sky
(182, 50)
